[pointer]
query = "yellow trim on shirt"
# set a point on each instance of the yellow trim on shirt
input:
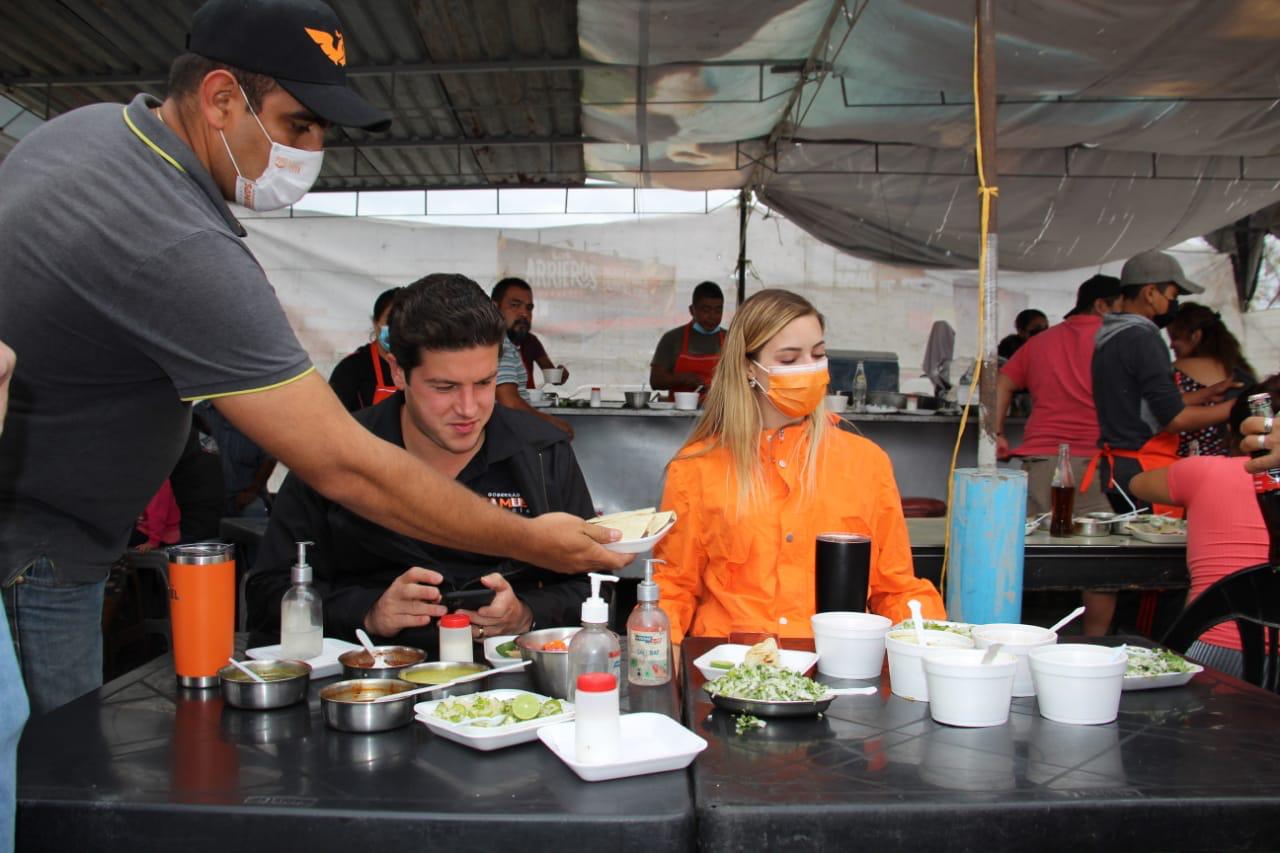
(156, 148)
(248, 390)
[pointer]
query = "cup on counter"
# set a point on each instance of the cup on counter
(536, 396)
(553, 375)
(202, 610)
(837, 402)
(686, 401)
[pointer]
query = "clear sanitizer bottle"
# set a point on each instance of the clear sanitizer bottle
(595, 648)
(301, 617)
(648, 635)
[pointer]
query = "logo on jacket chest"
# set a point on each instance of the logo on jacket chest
(513, 501)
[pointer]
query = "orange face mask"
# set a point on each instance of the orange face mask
(797, 390)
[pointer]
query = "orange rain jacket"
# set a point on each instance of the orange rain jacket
(755, 571)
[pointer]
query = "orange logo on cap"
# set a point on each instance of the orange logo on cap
(331, 43)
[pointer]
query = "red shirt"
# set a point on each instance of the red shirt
(1056, 367)
(1225, 532)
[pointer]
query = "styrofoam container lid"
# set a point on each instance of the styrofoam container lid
(1079, 660)
(850, 625)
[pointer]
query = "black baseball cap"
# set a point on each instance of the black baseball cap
(1097, 287)
(299, 43)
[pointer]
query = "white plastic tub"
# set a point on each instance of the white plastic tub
(965, 692)
(906, 675)
(1017, 640)
(849, 645)
(1077, 683)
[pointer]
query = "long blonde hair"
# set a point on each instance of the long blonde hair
(732, 418)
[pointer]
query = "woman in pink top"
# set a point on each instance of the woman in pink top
(1225, 532)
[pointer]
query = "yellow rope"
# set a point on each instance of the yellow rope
(986, 194)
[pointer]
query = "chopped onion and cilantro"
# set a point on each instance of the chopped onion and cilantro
(489, 712)
(1148, 663)
(766, 684)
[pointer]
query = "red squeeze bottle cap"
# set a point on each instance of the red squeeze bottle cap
(597, 682)
(455, 620)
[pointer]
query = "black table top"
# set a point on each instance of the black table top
(1190, 768)
(141, 765)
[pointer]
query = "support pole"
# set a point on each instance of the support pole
(744, 202)
(987, 131)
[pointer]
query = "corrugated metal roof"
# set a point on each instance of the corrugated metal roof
(507, 113)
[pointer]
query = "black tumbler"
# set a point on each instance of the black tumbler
(842, 568)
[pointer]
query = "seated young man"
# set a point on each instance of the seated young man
(445, 336)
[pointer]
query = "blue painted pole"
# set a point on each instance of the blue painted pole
(984, 570)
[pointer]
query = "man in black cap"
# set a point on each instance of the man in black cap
(1140, 409)
(129, 293)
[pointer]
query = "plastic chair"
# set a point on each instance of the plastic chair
(1252, 598)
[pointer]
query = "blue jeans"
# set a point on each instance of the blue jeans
(13, 716)
(57, 632)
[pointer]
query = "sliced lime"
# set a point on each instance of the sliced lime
(525, 706)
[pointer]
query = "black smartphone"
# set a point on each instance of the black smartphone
(468, 599)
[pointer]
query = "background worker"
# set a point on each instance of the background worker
(686, 356)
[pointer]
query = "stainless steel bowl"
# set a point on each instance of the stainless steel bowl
(348, 707)
(550, 670)
(286, 684)
(1095, 524)
(425, 674)
(887, 398)
(357, 663)
(637, 399)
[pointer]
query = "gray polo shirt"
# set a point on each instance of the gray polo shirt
(127, 293)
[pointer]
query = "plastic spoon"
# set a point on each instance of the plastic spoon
(368, 647)
(247, 671)
(992, 651)
(852, 691)
(1066, 619)
(918, 621)
(433, 687)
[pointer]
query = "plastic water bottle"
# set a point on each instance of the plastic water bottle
(859, 397)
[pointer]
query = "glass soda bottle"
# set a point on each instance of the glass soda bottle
(1062, 494)
(1266, 484)
(859, 396)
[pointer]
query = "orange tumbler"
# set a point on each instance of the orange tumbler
(202, 610)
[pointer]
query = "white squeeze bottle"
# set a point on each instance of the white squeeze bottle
(595, 648)
(648, 635)
(301, 621)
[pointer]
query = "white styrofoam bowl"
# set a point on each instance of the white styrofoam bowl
(1017, 640)
(1078, 683)
(906, 675)
(849, 645)
(965, 692)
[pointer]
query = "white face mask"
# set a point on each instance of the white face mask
(289, 175)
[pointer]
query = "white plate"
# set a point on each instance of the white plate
(543, 404)
(1146, 534)
(917, 412)
(734, 653)
(1168, 679)
(491, 650)
(483, 738)
(651, 743)
(662, 405)
(323, 665)
(639, 546)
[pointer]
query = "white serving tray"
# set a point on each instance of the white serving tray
(491, 650)
(651, 743)
(486, 739)
(323, 665)
(1168, 679)
(735, 653)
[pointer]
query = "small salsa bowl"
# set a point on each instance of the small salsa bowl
(438, 672)
(286, 683)
(358, 663)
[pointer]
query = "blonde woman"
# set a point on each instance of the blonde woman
(765, 471)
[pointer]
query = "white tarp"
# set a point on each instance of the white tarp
(604, 293)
